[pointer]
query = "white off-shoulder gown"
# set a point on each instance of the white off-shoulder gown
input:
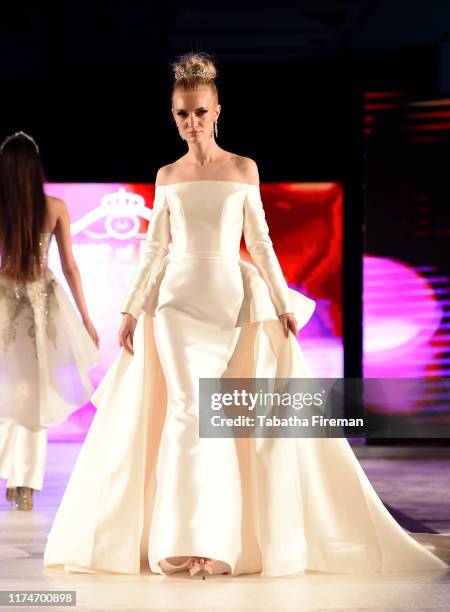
(146, 487)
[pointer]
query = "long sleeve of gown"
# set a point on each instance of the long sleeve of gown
(259, 245)
(155, 248)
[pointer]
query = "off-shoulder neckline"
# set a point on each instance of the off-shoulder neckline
(209, 181)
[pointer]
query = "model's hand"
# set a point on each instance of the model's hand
(126, 332)
(289, 322)
(92, 331)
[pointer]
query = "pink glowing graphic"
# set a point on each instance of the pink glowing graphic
(401, 315)
(406, 338)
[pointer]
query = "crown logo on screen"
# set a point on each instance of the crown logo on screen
(121, 210)
(123, 201)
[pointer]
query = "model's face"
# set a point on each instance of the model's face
(195, 113)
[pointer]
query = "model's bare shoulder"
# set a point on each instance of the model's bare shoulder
(162, 175)
(55, 202)
(248, 169)
(167, 174)
(56, 209)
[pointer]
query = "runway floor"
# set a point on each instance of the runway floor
(416, 491)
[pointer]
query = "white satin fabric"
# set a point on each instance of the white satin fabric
(23, 453)
(146, 488)
(205, 220)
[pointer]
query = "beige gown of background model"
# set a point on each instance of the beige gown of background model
(146, 487)
(45, 356)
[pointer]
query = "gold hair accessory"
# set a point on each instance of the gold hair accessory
(193, 71)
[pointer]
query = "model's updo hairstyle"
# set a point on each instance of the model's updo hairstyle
(193, 71)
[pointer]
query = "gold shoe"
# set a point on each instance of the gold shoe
(10, 493)
(24, 498)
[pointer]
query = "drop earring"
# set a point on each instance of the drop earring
(215, 128)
